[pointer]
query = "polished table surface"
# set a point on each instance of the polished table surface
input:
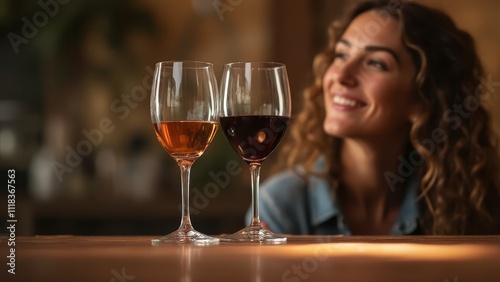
(302, 258)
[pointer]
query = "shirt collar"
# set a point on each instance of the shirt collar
(324, 206)
(410, 211)
(322, 201)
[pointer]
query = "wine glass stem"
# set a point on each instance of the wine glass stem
(185, 177)
(255, 175)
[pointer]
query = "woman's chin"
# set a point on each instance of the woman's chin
(335, 130)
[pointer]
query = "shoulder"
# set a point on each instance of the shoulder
(292, 182)
(284, 182)
(282, 203)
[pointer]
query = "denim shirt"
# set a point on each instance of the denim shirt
(283, 207)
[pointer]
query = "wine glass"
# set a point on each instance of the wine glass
(184, 112)
(255, 112)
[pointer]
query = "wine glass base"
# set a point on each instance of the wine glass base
(254, 234)
(185, 237)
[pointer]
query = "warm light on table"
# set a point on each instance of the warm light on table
(302, 258)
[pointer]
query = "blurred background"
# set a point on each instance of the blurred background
(74, 110)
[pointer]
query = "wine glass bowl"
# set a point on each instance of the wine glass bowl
(184, 112)
(255, 112)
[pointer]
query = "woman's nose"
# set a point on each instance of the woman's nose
(344, 73)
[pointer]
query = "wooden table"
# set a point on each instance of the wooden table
(303, 258)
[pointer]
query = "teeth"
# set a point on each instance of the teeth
(344, 102)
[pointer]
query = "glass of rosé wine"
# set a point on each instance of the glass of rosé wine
(184, 112)
(255, 111)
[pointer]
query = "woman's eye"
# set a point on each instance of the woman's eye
(339, 55)
(377, 64)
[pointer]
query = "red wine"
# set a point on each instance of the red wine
(254, 137)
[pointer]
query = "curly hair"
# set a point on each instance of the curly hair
(457, 175)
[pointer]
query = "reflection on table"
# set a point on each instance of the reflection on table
(303, 258)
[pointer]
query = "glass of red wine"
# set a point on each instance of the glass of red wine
(184, 111)
(255, 111)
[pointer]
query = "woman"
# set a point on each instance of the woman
(392, 137)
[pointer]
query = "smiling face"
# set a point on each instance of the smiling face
(368, 87)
